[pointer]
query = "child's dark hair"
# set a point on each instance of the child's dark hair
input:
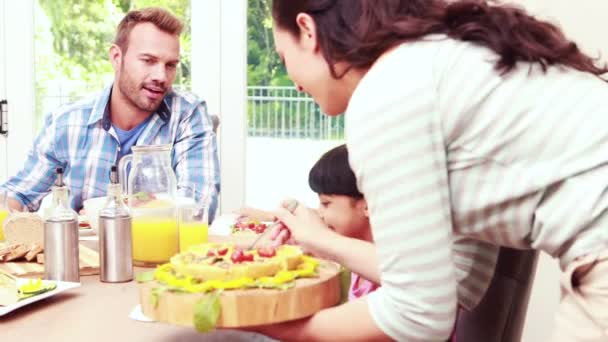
(332, 175)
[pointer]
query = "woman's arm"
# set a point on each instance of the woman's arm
(330, 325)
(398, 154)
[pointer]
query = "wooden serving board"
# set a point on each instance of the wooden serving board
(250, 307)
(89, 265)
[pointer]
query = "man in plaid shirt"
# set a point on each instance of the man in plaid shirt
(87, 137)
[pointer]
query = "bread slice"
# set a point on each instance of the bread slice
(35, 249)
(24, 228)
(18, 252)
(4, 251)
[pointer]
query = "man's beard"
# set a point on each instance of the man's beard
(131, 91)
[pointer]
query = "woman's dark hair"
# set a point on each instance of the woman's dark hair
(332, 175)
(359, 31)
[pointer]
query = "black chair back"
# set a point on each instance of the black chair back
(501, 314)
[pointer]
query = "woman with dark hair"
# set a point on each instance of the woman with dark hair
(463, 118)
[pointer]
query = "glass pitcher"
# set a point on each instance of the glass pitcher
(149, 183)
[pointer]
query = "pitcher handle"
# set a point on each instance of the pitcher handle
(122, 172)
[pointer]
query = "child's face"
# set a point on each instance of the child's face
(346, 215)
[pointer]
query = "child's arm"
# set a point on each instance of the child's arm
(357, 255)
(313, 235)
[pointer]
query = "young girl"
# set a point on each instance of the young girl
(467, 118)
(343, 209)
(341, 206)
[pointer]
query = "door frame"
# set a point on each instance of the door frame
(3, 82)
(18, 83)
(219, 75)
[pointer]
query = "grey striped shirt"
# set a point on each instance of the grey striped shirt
(443, 145)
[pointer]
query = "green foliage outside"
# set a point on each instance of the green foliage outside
(264, 66)
(73, 38)
(294, 119)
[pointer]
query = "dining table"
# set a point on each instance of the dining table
(98, 311)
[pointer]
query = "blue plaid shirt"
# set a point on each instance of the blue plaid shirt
(80, 138)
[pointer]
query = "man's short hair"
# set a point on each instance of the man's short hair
(161, 18)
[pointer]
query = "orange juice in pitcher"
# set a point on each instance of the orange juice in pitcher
(150, 184)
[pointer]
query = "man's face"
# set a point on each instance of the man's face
(148, 66)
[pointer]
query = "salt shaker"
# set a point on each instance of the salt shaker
(61, 236)
(115, 240)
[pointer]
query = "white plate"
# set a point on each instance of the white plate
(221, 225)
(61, 286)
(86, 232)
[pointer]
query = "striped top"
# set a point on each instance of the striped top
(80, 138)
(442, 144)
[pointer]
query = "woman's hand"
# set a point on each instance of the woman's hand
(304, 227)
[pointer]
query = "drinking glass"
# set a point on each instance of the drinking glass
(193, 218)
(4, 212)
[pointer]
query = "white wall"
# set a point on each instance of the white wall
(583, 21)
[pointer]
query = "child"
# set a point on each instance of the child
(341, 206)
(344, 209)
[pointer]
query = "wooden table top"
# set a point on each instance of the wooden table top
(99, 311)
